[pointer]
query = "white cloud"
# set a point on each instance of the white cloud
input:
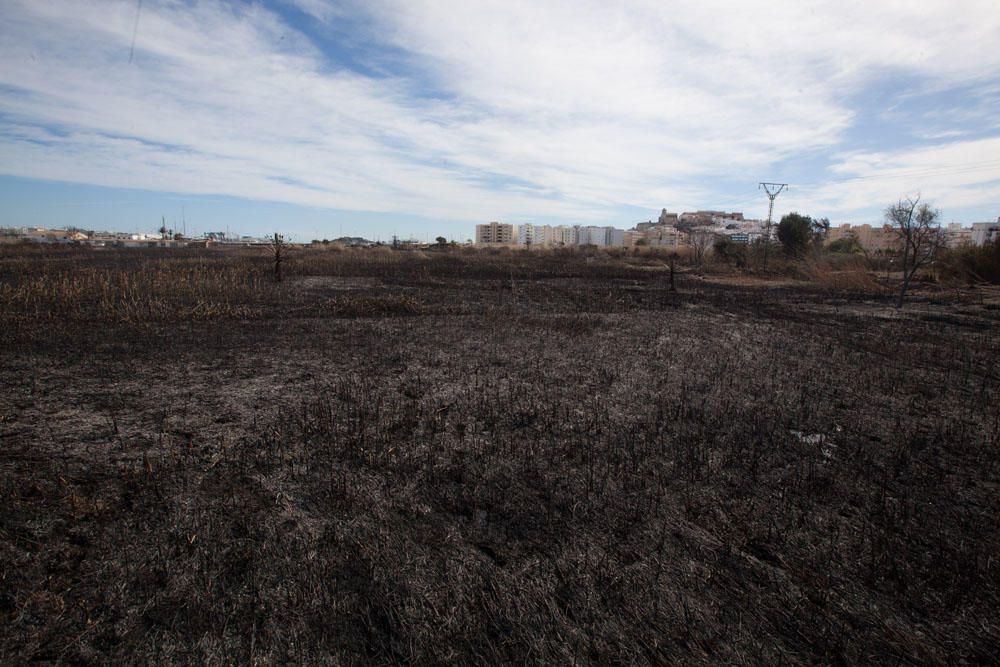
(323, 10)
(519, 109)
(952, 175)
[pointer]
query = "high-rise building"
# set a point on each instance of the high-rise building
(496, 233)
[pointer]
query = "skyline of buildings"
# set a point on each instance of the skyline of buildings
(701, 228)
(671, 230)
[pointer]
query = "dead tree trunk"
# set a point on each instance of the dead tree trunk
(277, 244)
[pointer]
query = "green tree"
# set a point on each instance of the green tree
(795, 232)
(726, 251)
(820, 230)
(845, 246)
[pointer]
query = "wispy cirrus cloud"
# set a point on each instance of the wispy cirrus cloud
(572, 111)
(958, 173)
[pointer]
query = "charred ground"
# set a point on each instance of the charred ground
(485, 457)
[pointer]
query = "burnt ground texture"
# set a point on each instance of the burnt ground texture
(474, 458)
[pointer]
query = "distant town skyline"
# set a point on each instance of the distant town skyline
(321, 118)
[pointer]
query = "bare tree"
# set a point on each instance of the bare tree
(701, 240)
(277, 244)
(920, 237)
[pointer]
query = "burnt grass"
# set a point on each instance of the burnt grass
(466, 457)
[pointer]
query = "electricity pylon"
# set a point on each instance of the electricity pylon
(772, 190)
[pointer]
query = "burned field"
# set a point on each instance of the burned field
(475, 458)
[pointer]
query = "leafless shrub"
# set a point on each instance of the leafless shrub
(840, 274)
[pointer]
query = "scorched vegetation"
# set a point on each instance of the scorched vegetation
(473, 457)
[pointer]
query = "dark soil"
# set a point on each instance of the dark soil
(484, 458)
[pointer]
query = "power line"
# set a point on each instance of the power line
(969, 167)
(907, 173)
(740, 202)
(981, 165)
(135, 30)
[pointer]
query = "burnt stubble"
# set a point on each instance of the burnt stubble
(483, 457)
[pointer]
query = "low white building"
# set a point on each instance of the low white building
(746, 236)
(60, 236)
(958, 236)
(985, 232)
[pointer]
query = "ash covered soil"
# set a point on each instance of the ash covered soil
(482, 459)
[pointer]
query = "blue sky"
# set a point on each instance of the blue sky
(321, 117)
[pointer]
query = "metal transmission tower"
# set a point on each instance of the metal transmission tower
(772, 190)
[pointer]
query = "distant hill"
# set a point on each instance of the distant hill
(348, 240)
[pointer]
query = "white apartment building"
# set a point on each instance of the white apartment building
(546, 235)
(605, 237)
(985, 232)
(543, 236)
(529, 235)
(566, 235)
(598, 236)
